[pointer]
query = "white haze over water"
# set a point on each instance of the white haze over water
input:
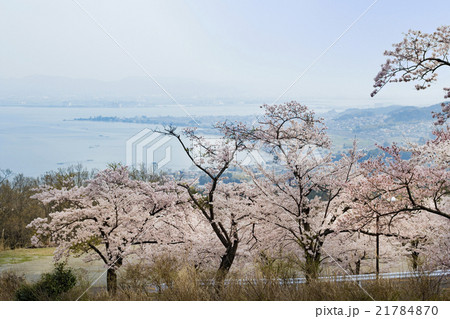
(242, 50)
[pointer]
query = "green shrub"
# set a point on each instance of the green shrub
(50, 287)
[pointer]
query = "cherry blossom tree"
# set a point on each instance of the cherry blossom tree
(107, 216)
(226, 208)
(411, 188)
(371, 215)
(392, 185)
(420, 237)
(300, 191)
(391, 194)
(350, 249)
(417, 59)
(428, 246)
(355, 250)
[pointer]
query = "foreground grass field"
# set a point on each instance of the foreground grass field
(22, 255)
(31, 263)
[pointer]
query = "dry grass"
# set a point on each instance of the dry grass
(188, 284)
(188, 290)
(169, 279)
(10, 282)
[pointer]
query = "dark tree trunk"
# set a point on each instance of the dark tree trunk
(111, 277)
(415, 255)
(225, 265)
(358, 267)
(312, 253)
(111, 281)
(415, 260)
(312, 266)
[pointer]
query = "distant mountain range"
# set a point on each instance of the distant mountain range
(56, 90)
(382, 125)
(389, 114)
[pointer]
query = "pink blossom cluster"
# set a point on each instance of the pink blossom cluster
(417, 59)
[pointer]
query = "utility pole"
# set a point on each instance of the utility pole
(377, 257)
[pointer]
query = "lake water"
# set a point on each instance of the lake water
(34, 140)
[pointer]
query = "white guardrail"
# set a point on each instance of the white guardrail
(357, 278)
(390, 275)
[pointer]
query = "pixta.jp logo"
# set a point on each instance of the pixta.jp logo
(149, 149)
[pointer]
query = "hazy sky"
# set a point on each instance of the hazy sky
(256, 46)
